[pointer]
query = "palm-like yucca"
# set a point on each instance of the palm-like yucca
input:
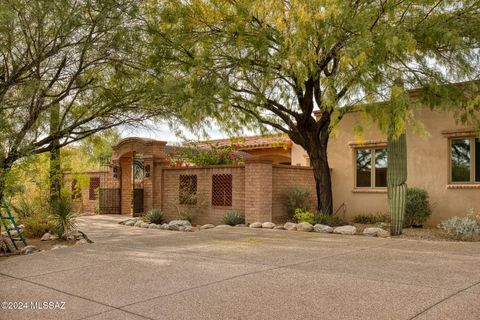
(63, 218)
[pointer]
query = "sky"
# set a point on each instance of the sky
(161, 131)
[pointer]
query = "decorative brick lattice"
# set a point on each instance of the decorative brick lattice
(222, 190)
(94, 185)
(188, 189)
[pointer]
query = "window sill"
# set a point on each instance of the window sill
(464, 186)
(369, 190)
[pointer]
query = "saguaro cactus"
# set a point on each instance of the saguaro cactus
(396, 181)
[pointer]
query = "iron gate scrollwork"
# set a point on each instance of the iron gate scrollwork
(109, 196)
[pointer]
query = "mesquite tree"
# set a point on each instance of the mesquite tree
(271, 64)
(66, 72)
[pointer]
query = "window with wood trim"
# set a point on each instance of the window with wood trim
(371, 168)
(187, 190)
(92, 189)
(76, 190)
(465, 160)
(222, 190)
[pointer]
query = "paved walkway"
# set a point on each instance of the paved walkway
(133, 273)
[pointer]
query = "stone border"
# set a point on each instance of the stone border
(186, 226)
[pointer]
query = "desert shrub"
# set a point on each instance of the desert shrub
(417, 208)
(462, 228)
(24, 208)
(329, 220)
(304, 216)
(296, 197)
(154, 216)
(36, 224)
(370, 218)
(33, 214)
(317, 217)
(62, 216)
(233, 217)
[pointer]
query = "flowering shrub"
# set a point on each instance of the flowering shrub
(462, 228)
(214, 155)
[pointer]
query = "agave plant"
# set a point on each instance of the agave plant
(63, 219)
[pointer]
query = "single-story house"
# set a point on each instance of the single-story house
(444, 160)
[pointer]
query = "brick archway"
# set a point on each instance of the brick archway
(152, 152)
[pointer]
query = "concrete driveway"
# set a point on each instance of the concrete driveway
(242, 273)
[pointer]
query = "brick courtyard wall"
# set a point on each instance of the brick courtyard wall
(258, 190)
(210, 214)
(285, 177)
(83, 204)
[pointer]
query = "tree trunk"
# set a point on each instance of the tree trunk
(55, 160)
(396, 182)
(316, 147)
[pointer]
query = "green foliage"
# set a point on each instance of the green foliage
(207, 156)
(370, 218)
(37, 224)
(462, 228)
(154, 216)
(304, 216)
(317, 217)
(262, 65)
(32, 213)
(329, 220)
(233, 217)
(98, 147)
(296, 197)
(62, 216)
(418, 207)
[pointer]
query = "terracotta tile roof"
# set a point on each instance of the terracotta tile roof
(252, 142)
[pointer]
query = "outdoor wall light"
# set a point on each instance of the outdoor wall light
(115, 172)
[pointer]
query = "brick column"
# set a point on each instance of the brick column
(258, 190)
(152, 185)
(126, 185)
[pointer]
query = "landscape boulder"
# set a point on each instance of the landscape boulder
(164, 226)
(138, 223)
(268, 225)
(376, 232)
(190, 229)
(145, 225)
(207, 226)
(182, 223)
(29, 249)
(130, 223)
(47, 236)
(59, 246)
(304, 227)
(241, 225)
(222, 226)
(345, 230)
(255, 225)
(279, 227)
(290, 226)
(322, 228)
(81, 241)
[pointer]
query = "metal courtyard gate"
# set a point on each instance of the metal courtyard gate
(138, 175)
(109, 196)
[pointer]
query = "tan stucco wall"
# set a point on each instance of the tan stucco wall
(299, 156)
(428, 163)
